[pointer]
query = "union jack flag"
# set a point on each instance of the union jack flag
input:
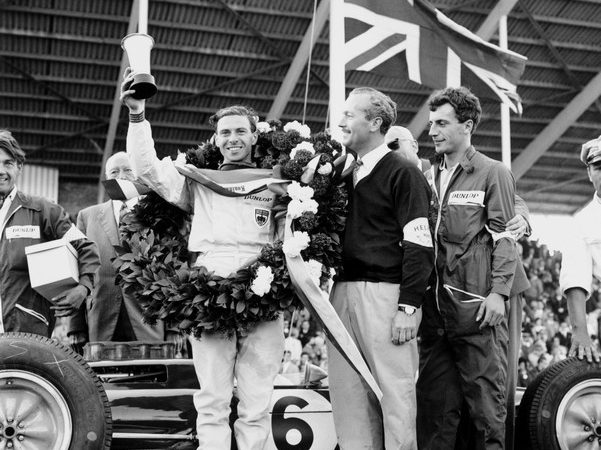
(413, 37)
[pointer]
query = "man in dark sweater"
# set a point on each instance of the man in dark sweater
(387, 258)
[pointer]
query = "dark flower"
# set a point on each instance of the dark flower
(205, 155)
(307, 221)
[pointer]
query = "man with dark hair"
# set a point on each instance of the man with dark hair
(463, 351)
(225, 234)
(24, 221)
(387, 260)
(582, 259)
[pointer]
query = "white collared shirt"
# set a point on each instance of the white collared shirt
(582, 252)
(117, 207)
(369, 161)
(6, 206)
(445, 177)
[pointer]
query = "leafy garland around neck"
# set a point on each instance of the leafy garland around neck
(153, 262)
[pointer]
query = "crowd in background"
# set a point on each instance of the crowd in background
(546, 331)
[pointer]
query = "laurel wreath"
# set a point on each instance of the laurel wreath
(152, 261)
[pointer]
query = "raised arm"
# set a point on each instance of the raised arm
(160, 175)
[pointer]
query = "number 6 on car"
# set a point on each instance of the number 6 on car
(301, 419)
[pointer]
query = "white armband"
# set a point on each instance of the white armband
(418, 232)
(498, 236)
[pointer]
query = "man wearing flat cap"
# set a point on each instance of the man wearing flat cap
(582, 260)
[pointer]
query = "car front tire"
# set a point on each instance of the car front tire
(561, 409)
(50, 399)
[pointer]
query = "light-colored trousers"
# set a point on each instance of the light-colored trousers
(367, 310)
(254, 360)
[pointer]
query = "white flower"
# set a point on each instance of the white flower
(181, 158)
(326, 169)
(307, 146)
(295, 125)
(310, 206)
(301, 193)
(262, 282)
(263, 127)
(295, 244)
(296, 208)
(314, 270)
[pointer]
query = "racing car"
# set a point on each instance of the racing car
(139, 396)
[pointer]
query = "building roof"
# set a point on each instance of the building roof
(61, 64)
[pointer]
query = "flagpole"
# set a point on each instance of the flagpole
(337, 63)
(505, 120)
(515, 303)
(143, 17)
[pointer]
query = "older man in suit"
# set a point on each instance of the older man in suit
(111, 314)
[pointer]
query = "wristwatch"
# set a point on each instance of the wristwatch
(409, 310)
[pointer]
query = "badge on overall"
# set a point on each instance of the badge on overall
(261, 217)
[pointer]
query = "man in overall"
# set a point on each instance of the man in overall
(463, 351)
(26, 220)
(225, 234)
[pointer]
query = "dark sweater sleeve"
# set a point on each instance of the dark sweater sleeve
(412, 200)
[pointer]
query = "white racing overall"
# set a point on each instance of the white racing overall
(227, 232)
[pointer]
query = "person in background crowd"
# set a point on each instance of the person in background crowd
(563, 335)
(304, 360)
(463, 351)
(225, 236)
(288, 366)
(110, 314)
(24, 221)
(293, 345)
(306, 332)
(524, 375)
(387, 258)
(582, 259)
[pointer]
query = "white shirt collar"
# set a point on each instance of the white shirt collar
(369, 161)
(12, 194)
(9, 198)
(445, 177)
(374, 156)
(6, 205)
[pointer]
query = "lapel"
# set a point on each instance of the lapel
(107, 221)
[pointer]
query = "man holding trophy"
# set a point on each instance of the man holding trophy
(225, 235)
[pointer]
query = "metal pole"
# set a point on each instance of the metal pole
(337, 63)
(116, 109)
(143, 17)
(505, 121)
(514, 323)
